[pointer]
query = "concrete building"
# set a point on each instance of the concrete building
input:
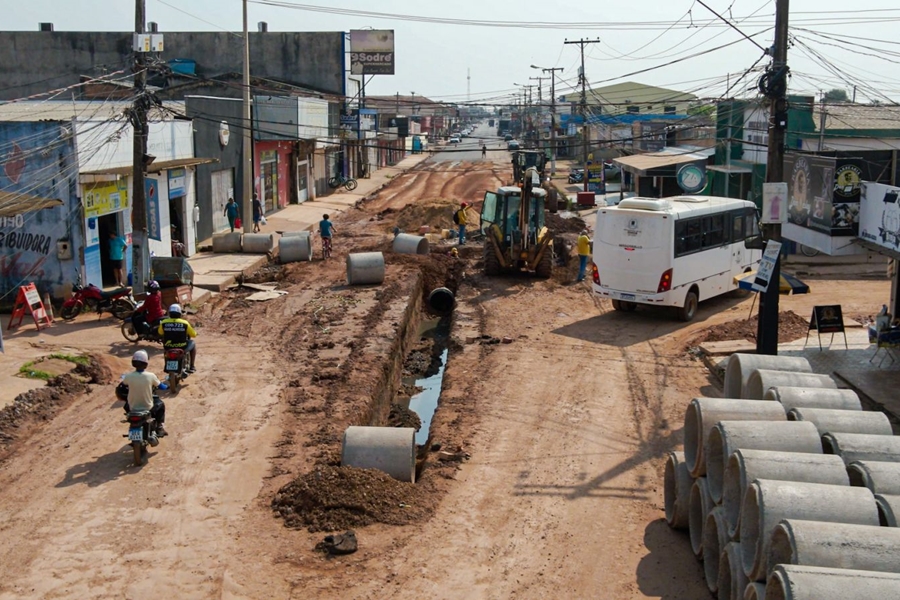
(631, 97)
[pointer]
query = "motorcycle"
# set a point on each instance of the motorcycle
(177, 362)
(135, 328)
(118, 301)
(142, 428)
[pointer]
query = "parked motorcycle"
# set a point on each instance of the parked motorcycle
(119, 301)
(142, 428)
(135, 328)
(177, 364)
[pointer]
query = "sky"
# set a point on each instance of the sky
(834, 45)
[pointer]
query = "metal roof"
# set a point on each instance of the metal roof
(14, 203)
(84, 110)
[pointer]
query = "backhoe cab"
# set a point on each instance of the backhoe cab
(515, 236)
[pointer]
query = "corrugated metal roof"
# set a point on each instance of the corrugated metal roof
(85, 110)
(858, 116)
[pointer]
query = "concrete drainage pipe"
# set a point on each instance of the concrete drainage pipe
(728, 436)
(258, 243)
(715, 538)
(801, 397)
(677, 483)
(405, 243)
(880, 477)
(888, 509)
(228, 243)
(441, 301)
(732, 580)
(703, 413)
(365, 268)
(295, 247)
(741, 366)
(388, 449)
(836, 545)
(769, 502)
(762, 380)
(755, 591)
(793, 582)
(698, 507)
(745, 466)
(843, 421)
(860, 446)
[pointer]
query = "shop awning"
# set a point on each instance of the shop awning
(642, 164)
(731, 169)
(871, 247)
(14, 203)
(156, 166)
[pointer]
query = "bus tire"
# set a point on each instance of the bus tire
(617, 304)
(689, 310)
(628, 306)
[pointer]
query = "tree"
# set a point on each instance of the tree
(836, 95)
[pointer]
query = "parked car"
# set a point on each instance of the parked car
(454, 140)
(507, 137)
(512, 145)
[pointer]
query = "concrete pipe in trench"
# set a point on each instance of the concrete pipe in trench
(258, 243)
(405, 243)
(677, 483)
(698, 507)
(388, 449)
(861, 446)
(880, 477)
(843, 421)
(732, 580)
(836, 545)
(888, 509)
(441, 301)
(365, 268)
(762, 380)
(728, 436)
(703, 413)
(228, 243)
(769, 502)
(802, 397)
(295, 247)
(755, 591)
(715, 538)
(745, 466)
(794, 582)
(741, 366)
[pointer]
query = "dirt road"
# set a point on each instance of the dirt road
(566, 428)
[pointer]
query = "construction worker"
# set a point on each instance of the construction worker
(462, 219)
(584, 252)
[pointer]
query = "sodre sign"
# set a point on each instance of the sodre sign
(372, 51)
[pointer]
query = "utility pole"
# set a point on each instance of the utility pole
(552, 72)
(140, 252)
(822, 123)
(247, 203)
(585, 131)
(540, 107)
(775, 89)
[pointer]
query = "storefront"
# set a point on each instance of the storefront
(274, 168)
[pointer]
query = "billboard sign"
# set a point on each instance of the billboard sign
(372, 51)
(879, 215)
(824, 193)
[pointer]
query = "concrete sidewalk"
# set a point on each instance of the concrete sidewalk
(215, 272)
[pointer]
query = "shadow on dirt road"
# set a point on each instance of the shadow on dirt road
(670, 571)
(103, 469)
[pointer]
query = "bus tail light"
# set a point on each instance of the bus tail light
(595, 274)
(665, 282)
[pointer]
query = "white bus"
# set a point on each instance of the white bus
(672, 251)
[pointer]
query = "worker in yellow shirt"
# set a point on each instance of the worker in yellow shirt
(462, 219)
(584, 251)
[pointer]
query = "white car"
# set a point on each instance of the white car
(454, 140)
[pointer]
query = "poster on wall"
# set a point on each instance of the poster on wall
(879, 215)
(176, 183)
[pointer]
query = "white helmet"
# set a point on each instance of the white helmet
(175, 309)
(140, 356)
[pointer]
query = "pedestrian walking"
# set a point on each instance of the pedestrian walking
(257, 213)
(584, 252)
(483, 151)
(231, 211)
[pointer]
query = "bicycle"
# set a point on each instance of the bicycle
(340, 180)
(326, 248)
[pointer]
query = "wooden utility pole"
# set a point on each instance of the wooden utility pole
(775, 89)
(140, 253)
(583, 80)
(247, 151)
(552, 72)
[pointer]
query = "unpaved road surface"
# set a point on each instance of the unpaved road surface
(566, 429)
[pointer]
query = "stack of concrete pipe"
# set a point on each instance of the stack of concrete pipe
(788, 489)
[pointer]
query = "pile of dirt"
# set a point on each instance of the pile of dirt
(39, 404)
(436, 212)
(94, 372)
(336, 498)
(556, 224)
(403, 417)
(267, 273)
(791, 326)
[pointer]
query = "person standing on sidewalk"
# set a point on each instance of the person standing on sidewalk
(257, 213)
(231, 211)
(584, 252)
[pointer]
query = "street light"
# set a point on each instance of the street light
(552, 71)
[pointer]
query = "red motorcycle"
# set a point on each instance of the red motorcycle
(119, 302)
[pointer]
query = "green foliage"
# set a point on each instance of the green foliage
(836, 95)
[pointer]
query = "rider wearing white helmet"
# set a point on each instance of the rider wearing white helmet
(141, 384)
(178, 333)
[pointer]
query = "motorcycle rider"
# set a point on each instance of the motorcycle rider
(178, 333)
(152, 308)
(141, 384)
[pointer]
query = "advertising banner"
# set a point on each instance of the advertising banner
(372, 51)
(774, 203)
(879, 215)
(154, 230)
(823, 193)
(766, 266)
(105, 198)
(176, 183)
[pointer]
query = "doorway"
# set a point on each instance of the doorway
(269, 165)
(302, 181)
(107, 224)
